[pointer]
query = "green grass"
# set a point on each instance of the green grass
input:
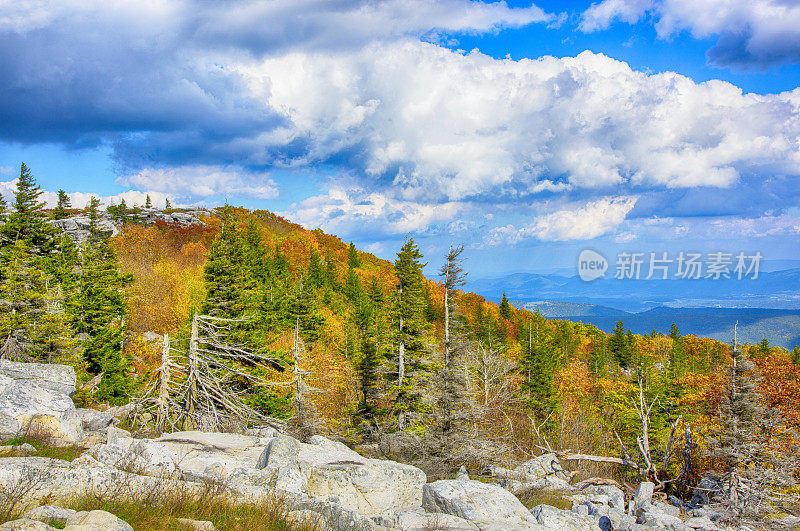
(43, 449)
(163, 513)
(531, 498)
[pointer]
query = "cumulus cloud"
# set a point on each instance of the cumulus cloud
(357, 211)
(81, 199)
(441, 124)
(750, 32)
(594, 219)
(203, 181)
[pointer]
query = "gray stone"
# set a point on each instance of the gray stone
(25, 524)
(93, 420)
(540, 467)
(50, 514)
(118, 436)
(643, 495)
(417, 519)
(58, 378)
(96, 521)
(475, 501)
(462, 474)
(282, 451)
(159, 461)
(557, 519)
(700, 522)
(27, 409)
(704, 492)
(196, 452)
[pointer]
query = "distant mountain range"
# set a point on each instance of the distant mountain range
(766, 307)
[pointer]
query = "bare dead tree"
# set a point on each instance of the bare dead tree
(204, 386)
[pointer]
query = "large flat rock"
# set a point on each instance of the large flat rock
(58, 378)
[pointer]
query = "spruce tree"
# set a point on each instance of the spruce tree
(147, 202)
(796, 355)
(3, 212)
(223, 273)
(618, 345)
(505, 307)
(99, 311)
(352, 257)
(750, 444)
(537, 368)
(167, 204)
(410, 332)
(63, 203)
(27, 221)
(22, 292)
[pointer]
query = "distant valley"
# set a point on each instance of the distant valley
(766, 307)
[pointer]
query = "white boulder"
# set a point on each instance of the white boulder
(477, 502)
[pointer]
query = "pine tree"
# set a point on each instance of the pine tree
(147, 202)
(63, 203)
(27, 221)
(618, 345)
(167, 204)
(316, 275)
(537, 368)
(505, 307)
(3, 212)
(352, 257)
(451, 401)
(22, 292)
(372, 356)
(749, 443)
(409, 310)
(100, 312)
(223, 273)
(796, 355)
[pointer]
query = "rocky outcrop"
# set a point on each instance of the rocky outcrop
(70, 520)
(329, 469)
(483, 504)
(38, 407)
(78, 228)
(58, 378)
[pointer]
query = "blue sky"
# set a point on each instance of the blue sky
(525, 131)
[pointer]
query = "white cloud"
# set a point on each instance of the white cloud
(445, 125)
(81, 199)
(203, 181)
(600, 15)
(349, 211)
(760, 32)
(594, 219)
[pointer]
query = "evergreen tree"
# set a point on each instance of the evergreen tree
(796, 355)
(537, 368)
(352, 257)
(63, 203)
(22, 292)
(167, 204)
(748, 444)
(373, 350)
(27, 222)
(316, 275)
(100, 312)
(409, 310)
(3, 212)
(618, 345)
(505, 307)
(147, 202)
(450, 383)
(223, 273)
(304, 310)
(763, 347)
